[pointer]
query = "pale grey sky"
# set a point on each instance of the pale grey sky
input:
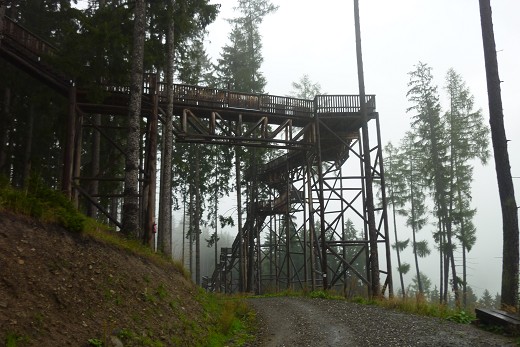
(303, 37)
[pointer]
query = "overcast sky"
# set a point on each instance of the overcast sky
(303, 37)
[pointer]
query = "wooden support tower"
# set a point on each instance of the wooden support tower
(302, 236)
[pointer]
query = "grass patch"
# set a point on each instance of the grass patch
(422, 307)
(161, 291)
(95, 342)
(14, 340)
(231, 321)
(130, 338)
(284, 293)
(322, 294)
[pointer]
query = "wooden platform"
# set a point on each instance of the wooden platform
(510, 321)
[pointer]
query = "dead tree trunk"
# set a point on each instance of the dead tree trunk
(506, 191)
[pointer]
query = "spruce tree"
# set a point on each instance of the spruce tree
(414, 196)
(396, 195)
(429, 129)
(467, 137)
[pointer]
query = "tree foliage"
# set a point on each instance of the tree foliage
(436, 159)
(240, 61)
(94, 47)
(305, 88)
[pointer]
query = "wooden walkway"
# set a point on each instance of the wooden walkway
(28, 51)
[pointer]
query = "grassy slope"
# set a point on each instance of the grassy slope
(83, 284)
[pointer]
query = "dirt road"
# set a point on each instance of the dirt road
(317, 322)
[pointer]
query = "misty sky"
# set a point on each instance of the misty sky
(304, 37)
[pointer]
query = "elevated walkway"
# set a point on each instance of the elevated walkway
(311, 132)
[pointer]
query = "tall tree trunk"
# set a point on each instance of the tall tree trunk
(441, 264)
(463, 239)
(191, 228)
(93, 188)
(464, 278)
(215, 206)
(2, 15)
(241, 264)
(397, 250)
(131, 198)
(442, 206)
(510, 254)
(446, 271)
(149, 187)
(369, 203)
(165, 208)
(184, 228)
(252, 197)
(68, 150)
(197, 217)
(414, 231)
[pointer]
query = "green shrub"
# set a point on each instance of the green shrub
(461, 317)
(95, 342)
(12, 339)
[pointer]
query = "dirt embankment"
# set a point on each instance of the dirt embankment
(63, 289)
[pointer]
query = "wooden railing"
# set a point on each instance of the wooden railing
(223, 98)
(343, 103)
(205, 96)
(23, 37)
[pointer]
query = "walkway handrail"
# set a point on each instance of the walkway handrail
(28, 40)
(343, 103)
(206, 96)
(224, 98)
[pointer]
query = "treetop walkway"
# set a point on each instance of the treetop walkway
(304, 187)
(27, 50)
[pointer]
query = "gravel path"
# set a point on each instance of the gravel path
(289, 322)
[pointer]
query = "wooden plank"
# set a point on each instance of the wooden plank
(510, 322)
